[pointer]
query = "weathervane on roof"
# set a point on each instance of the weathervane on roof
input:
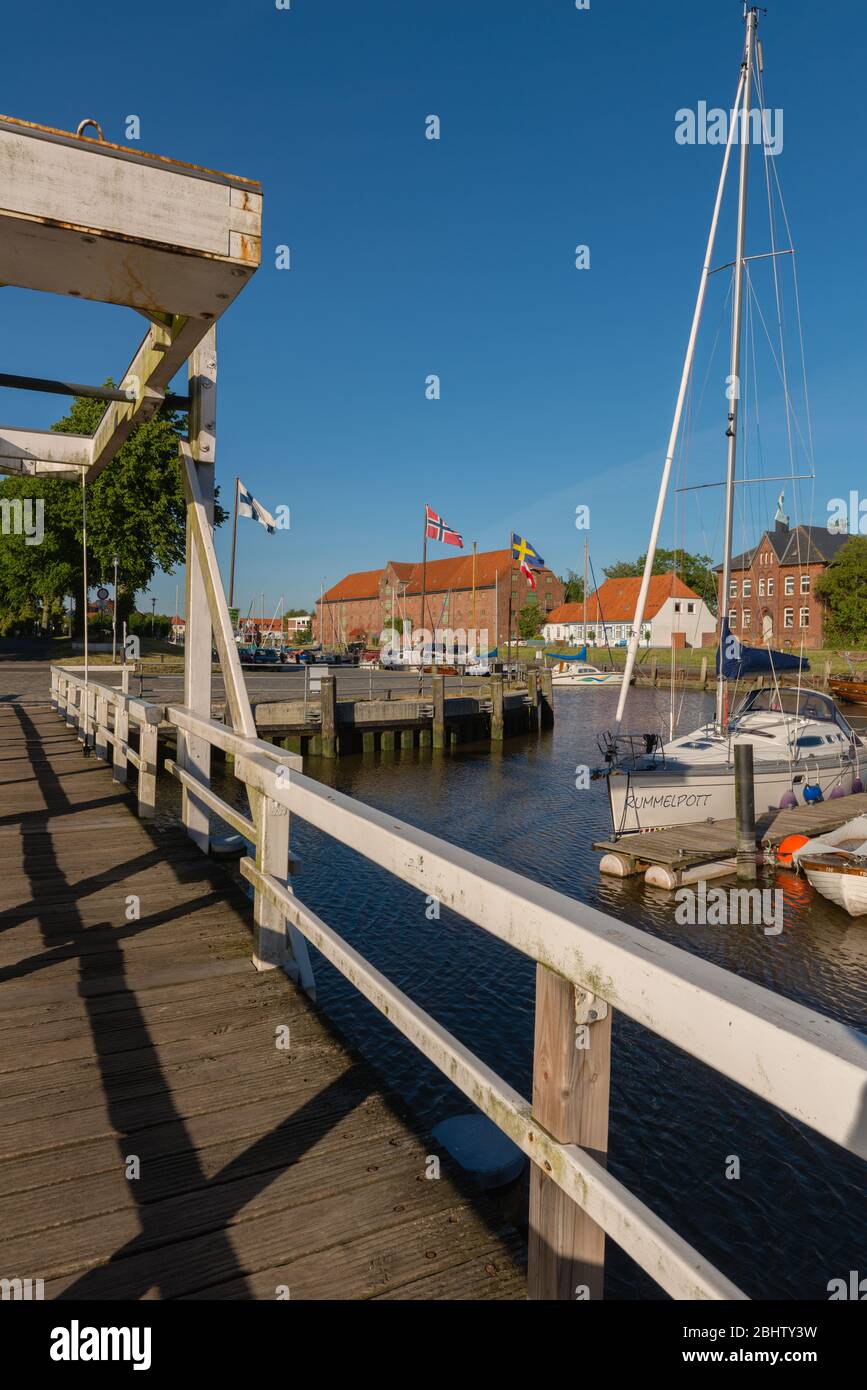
(780, 514)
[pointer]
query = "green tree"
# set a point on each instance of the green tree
(842, 590)
(573, 588)
(695, 571)
(530, 619)
(135, 509)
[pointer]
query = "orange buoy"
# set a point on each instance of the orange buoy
(787, 847)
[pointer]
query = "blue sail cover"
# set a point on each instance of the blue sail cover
(582, 655)
(734, 659)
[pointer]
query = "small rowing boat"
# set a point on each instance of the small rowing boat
(849, 688)
(835, 865)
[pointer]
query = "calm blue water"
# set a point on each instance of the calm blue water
(796, 1217)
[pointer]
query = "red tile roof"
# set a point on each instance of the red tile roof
(363, 584)
(450, 573)
(615, 600)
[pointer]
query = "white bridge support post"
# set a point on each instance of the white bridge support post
(194, 754)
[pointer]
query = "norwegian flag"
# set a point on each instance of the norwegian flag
(437, 530)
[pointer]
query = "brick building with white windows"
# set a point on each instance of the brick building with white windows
(771, 599)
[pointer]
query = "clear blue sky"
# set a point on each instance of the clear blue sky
(456, 257)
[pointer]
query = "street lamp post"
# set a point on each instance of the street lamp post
(116, 562)
(153, 615)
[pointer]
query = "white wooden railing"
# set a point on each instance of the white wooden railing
(588, 964)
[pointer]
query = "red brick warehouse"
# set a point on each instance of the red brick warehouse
(362, 605)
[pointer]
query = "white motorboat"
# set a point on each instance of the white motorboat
(582, 673)
(803, 751)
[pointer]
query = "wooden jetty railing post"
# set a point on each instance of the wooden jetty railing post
(826, 675)
(101, 727)
(272, 857)
(571, 1079)
(328, 705)
(702, 678)
(121, 739)
(745, 810)
(438, 690)
(497, 725)
(194, 754)
(147, 773)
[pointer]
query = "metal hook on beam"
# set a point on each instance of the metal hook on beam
(82, 127)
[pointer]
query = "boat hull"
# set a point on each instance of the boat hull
(854, 692)
(839, 880)
(600, 678)
(658, 798)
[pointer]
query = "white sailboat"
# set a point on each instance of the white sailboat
(803, 748)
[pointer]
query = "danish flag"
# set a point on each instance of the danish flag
(437, 530)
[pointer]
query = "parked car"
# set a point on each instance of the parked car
(266, 656)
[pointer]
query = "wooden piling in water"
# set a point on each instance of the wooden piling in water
(546, 689)
(328, 705)
(534, 712)
(497, 709)
(745, 811)
(439, 722)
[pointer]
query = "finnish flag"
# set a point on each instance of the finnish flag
(248, 506)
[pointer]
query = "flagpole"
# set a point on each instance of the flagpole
(424, 567)
(234, 534)
(474, 590)
(509, 626)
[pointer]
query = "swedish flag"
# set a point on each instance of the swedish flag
(526, 554)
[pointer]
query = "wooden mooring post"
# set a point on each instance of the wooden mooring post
(571, 1080)
(439, 717)
(533, 698)
(497, 726)
(745, 810)
(328, 705)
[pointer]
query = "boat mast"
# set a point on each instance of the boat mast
(752, 17)
(675, 426)
(585, 595)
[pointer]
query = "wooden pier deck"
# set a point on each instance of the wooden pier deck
(704, 842)
(154, 1140)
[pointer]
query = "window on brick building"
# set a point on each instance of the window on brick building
(770, 587)
(748, 587)
(733, 618)
(805, 617)
(788, 617)
(805, 583)
(762, 587)
(748, 617)
(789, 584)
(733, 589)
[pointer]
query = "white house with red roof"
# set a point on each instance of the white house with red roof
(674, 615)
